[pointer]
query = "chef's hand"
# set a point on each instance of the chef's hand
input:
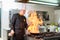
(11, 33)
(27, 32)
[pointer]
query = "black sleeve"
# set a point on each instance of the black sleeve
(26, 25)
(13, 21)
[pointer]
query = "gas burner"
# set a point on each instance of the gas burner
(42, 35)
(37, 35)
(49, 34)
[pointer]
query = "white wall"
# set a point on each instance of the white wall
(10, 4)
(0, 7)
(57, 16)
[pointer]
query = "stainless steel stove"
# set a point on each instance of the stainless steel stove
(44, 36)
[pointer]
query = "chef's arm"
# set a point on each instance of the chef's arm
(13, 21)
(26, 25)
(12, 25)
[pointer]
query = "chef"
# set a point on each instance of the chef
(18, 25)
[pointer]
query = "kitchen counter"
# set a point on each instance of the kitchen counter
(54, 37)
(5, 31)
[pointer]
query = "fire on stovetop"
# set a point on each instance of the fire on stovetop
(33, 22)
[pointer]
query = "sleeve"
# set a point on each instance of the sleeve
(13, 21)
(26, 25)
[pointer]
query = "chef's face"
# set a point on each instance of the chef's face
(22, 12)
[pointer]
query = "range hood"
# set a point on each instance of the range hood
(22, 1)
(45, 2)
(58, 7)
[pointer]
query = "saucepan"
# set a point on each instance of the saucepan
(42, 29)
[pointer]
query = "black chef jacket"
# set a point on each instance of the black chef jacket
(18, 24)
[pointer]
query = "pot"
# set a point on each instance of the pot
(52, 28)
(42, 28)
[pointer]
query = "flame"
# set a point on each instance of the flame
(34, 22)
